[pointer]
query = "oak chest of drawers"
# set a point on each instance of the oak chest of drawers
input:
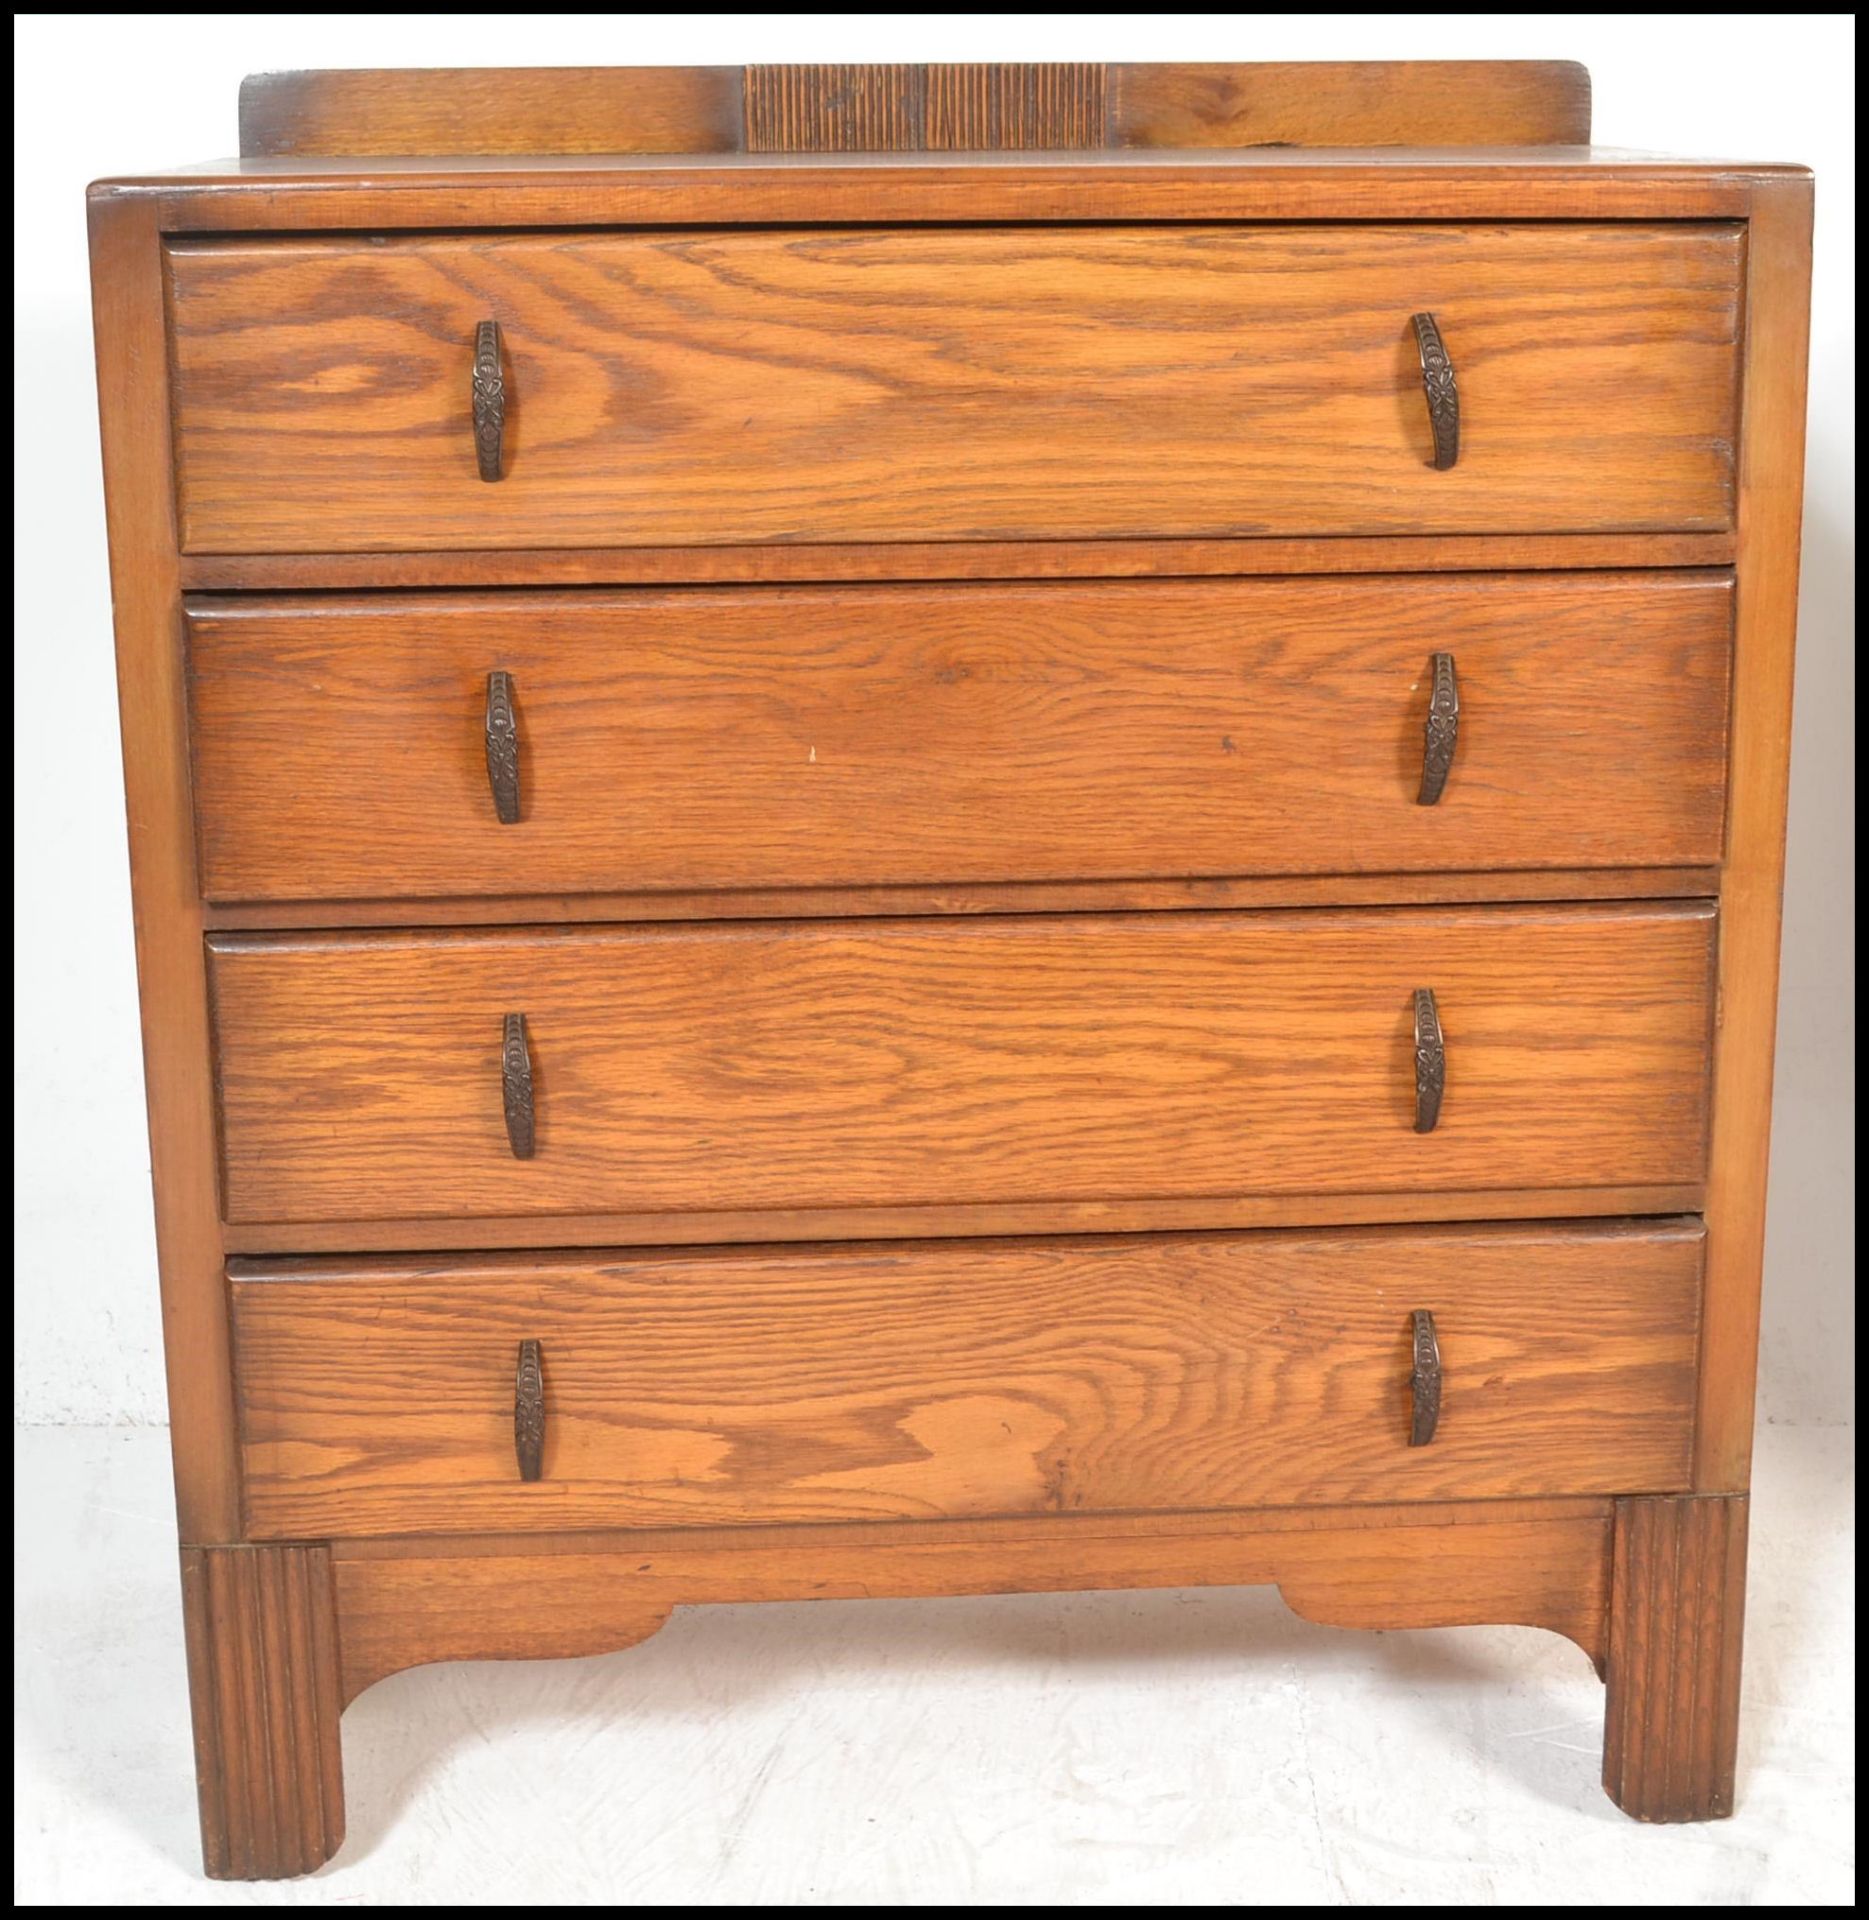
(944, 831)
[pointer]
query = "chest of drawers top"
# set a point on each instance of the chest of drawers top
(903, 310)
(919, 829)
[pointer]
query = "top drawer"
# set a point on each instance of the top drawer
(682, 389)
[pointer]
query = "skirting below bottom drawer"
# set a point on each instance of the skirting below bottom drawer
(963, 1380)
(1540, 1563)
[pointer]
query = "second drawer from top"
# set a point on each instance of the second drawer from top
(454, 745)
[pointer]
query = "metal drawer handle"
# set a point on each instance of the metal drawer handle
(1424, 1384)
(1437, 382)
(516, 1085)
(529, 1411)
(1437, 753)
(489, 399)
(1430, 1061)
(503, 747)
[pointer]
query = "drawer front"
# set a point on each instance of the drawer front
(928, 1063)
(967, 1379)
(721, 387)
(781, 737)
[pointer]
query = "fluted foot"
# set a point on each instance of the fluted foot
(263, 1678)
(1677, 1604)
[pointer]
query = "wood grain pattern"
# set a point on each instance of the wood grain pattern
(1352, 103)
(894, 736)
(594, 110)
(1438, 1566)
(903, 1062)
(980, 384)
(972, 1536)
(966, 1380)
(491, 110)
(391, 195)
(264, 1681)
(722, 1226)
(911, 367)
(126, 267)
(1751, 888)
(599, 566)
(1677, 1611)
(1077, 896)
(412, 1613)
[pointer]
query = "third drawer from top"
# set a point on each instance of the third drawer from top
(961, 1062)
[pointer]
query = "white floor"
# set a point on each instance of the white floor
(1186, 1748)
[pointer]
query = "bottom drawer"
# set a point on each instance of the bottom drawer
(936, 1381)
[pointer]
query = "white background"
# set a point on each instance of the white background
(114, 93)
(1145, 1749)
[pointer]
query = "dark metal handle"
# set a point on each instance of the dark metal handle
(489, 399)
(1430, 1061)
(1437, 382)
(1425, 1382)
(503, 747)
(516, 1085)
(529, 1411)
(1437, 754)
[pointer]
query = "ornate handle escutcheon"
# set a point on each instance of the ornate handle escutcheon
(1425, 1382)
(489, 399)
(1430, 1061)
(1437, 382)
(503, 747)
(529, 1411)
(516, 1085)
(1437, 753)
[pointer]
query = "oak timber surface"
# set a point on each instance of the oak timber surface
(936, 560)
(752, 1225)
(911, 1062)
(1676, 1626)
(1440, 888)
(978, 367)
(613, 110)
(1531, 1563)
(264, 1680)
(966, 1380)
(1778, 295)
(152, 704)
(405, 195)
(708, 388)
(845, 737)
